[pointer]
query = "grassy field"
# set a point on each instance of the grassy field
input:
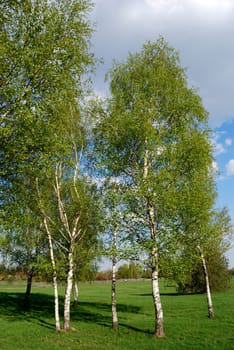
(185, 318)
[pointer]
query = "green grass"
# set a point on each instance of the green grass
(185, 319)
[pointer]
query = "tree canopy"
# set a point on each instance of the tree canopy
(154, 136)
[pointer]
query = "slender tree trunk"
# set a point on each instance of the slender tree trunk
(67, 299)
(159, 328)
(55, 284)
(29, 286)
(113, 296)
(75, 292)
(115, 323)
(72, 238)
(208, 292)
(56, 301)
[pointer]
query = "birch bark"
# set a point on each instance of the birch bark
(67, 299)
(208, 292)
(71, 237)
(113, 284)
(75, 291)
(55, 284)
(159, 329)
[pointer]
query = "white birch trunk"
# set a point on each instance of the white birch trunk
(67, 299)
(75, 292)
(55, 284)
(115, 323)
(208, 292)
(113, 284)
(113, 297)
(56, 301)
(72, 235)
(159, 329)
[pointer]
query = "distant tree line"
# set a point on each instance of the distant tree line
(219, 273)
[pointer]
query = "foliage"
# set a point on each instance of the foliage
(153, 136)
(219, 278)
(214, 232)
(153, 117)
(104, 275)
(44, 59)
(44, 54)
(129, 271)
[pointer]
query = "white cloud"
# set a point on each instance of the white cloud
(201, 30)
(214, 8)
(215, 171)
(219, 149)
(230, 167)
(228, 142)
(215, 167)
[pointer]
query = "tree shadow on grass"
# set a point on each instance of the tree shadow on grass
(100, 313)
(93, 312)
(170, 294)
(41, 310)
(135, 329)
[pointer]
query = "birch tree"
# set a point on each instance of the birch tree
(115, 322)
(216, 242)
(116, 244)
(54, 270)
(45, 59)
(111, 206)
(70, 215)
(203, 231)
(153, 136)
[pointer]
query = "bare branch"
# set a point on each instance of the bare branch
(62, 212)
(75, 233)
(77, 163)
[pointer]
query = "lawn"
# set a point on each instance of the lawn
(185, 318)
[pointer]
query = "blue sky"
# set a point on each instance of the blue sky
(202, 32)
(224, 158)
